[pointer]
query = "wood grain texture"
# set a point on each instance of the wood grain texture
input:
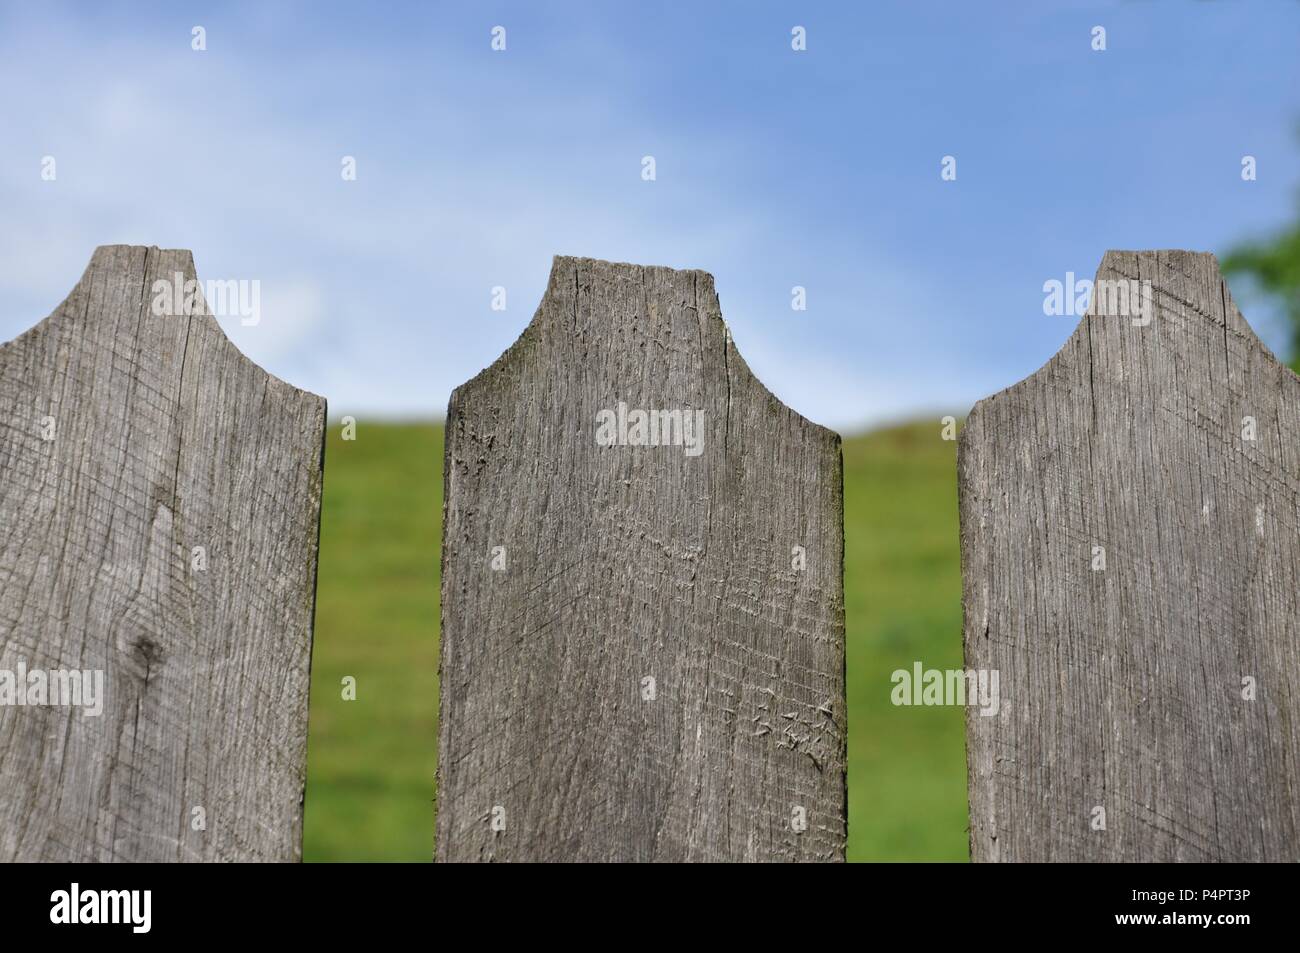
(1122, 687)
(632, 562)
(166, 438)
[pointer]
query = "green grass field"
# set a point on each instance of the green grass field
(371, 761)
(902, 594)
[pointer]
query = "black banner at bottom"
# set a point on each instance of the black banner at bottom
(938, 902)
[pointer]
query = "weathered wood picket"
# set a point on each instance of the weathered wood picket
(643, 616)
(1131, 566)
(159, 516)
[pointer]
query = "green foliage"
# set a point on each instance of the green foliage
(1273, 267)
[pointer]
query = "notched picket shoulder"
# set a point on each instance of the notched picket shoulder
(632, 667)
(160, 504)
(1131, 566)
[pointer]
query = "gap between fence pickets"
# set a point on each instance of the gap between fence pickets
(134, 546)
(643, 638)
(1130, 560)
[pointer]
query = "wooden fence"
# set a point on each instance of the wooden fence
(642, 604)
(1131, 566)
(159, 515)
(642, 592)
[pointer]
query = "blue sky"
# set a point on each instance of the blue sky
(775, 168)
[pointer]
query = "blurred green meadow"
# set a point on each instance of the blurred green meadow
(370, 761)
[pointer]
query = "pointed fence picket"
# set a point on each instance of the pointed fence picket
(159, 518)
(642, 592)
(1131, 563)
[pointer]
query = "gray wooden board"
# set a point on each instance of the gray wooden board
(1123, 689)
(625, 563)
(165, 438)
